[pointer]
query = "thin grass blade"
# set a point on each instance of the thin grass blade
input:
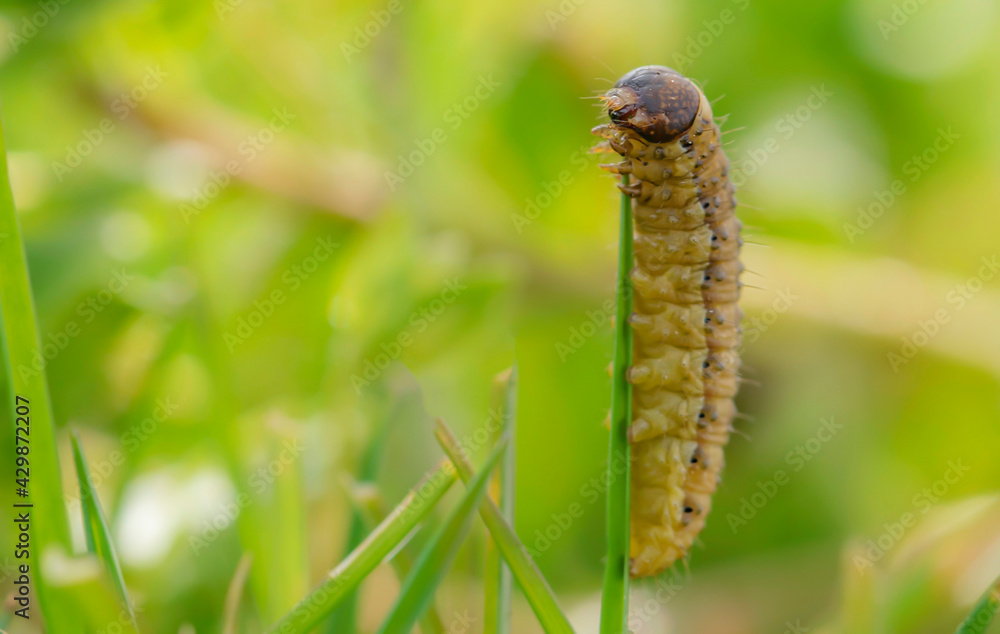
(96, 528)
(349, 574)
(983, 612)
(498, 583)
(371, 509)
(436, 558)
(614, 598)
(536, 589)
(234, 593)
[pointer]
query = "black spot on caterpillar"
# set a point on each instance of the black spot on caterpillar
(686, 320)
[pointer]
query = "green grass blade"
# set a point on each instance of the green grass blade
(614, 599)
(231, 613)
(371, 509)
(349, 574)
(498, 580)
(983, 612)
(50, 528)
(96, 528)
(436, 558)
(536, 589)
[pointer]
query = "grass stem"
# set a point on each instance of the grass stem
(498, 581)
(29, 389)
(614, 599)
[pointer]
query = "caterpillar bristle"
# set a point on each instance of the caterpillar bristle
(601, 147)
(616, 168)
(634, 190)
(742, 434)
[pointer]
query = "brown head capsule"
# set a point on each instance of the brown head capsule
(686, 322)
(657, 102)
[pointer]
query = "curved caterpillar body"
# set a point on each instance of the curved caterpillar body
(686, 322)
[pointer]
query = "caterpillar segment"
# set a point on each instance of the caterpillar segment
(686, 321)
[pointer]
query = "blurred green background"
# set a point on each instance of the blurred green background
(280, 226)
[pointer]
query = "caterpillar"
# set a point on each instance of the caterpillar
(686, 321)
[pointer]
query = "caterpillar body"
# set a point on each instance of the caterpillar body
(686, 322)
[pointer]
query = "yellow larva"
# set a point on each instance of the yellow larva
(686, 320)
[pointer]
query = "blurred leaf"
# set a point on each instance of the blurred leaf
(435, 560)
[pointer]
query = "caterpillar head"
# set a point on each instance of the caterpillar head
(657, 102)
